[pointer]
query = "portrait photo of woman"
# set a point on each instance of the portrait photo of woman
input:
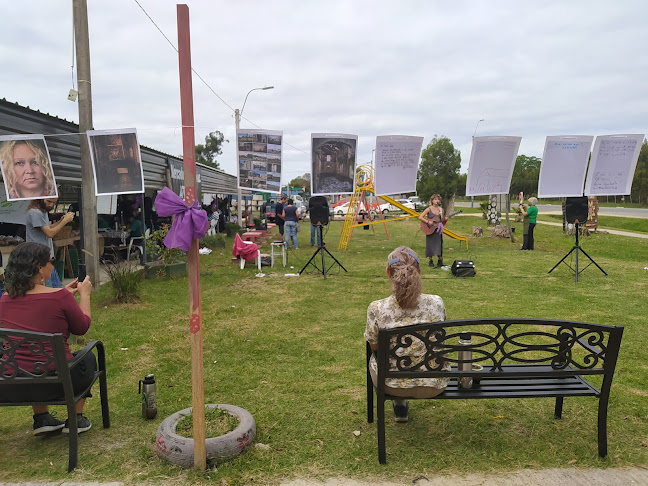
(27, 168)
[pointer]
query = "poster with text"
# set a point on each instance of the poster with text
(176, 176)
(259, 159)
(492, 160)
(116, 161)
(564, 165)
(26, 167)
(333, 161)
(397, 161)
(614, 160)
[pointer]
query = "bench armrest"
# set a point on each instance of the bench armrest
(85, 350)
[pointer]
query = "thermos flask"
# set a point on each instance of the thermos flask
(465, 358)
(147, 389)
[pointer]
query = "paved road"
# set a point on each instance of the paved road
(603, 210)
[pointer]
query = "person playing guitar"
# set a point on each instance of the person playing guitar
(430, 224)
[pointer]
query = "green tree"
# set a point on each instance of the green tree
(526, 174)
(639, 190)
(461, 184)
(302, 181)
(206, 153)
(439, 170)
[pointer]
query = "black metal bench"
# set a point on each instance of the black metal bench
(14, 378)
(521, 358)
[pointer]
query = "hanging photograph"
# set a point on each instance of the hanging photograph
(259, 156)
(26, 167)
(333, 161)
(397, 161)
(116, 161)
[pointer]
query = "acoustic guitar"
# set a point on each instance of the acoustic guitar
(431, 227)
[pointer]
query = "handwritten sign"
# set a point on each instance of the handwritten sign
(564, 165)
(492, 160)
(613, 164)
(397, 160)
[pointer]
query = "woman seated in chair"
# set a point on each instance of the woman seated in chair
(28, 305)
(405, 307)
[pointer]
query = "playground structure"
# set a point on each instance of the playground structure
(364, 183)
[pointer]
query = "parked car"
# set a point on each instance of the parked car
(404, 202)
(418, 204)
(344, 208)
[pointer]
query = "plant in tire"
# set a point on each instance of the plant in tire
(179, 450)
(218, 422)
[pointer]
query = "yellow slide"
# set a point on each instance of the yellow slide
(413, 213)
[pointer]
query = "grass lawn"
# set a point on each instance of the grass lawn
(291, 351)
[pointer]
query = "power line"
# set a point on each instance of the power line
(202, 79)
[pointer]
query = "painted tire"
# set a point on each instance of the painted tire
(179, 450)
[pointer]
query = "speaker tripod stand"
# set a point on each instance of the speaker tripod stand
(321, 249)
(577, 249)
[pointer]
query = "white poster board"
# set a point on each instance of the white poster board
(614, 160)
(564, 165)
(116, 161)
(26, 167)
(492, 160)
(397, 160)
(259, 159)
(106, 204)
(333, 162)
(12, 211)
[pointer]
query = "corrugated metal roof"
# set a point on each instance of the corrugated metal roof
(66, 159)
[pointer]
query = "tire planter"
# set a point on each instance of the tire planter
(179, 450)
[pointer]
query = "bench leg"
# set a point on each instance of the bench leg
(558, 408)
(382, 455)
(602, 426)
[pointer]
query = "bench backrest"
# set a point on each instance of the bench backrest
(49, 348)
(521, 347)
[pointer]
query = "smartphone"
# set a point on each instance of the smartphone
(81, 271)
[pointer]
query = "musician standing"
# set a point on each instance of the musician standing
(432, 217)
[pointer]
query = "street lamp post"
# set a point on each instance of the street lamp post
(237, 120)
(475, 132)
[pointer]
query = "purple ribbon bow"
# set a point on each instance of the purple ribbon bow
(190, 223)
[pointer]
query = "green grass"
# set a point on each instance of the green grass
(290, 350)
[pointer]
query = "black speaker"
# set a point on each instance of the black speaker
(319, 210)
(463, 268)
(576, 209)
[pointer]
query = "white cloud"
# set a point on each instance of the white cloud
(361, 67)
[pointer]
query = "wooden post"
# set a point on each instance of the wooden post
(89, 214)
(193, 270)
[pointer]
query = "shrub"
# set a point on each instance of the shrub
(213, 242)
(125, 278)
(156, 250)
(231, 229)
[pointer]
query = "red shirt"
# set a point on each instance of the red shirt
(51, 312)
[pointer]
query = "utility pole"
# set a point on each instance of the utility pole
(89, 237)
(239, 193)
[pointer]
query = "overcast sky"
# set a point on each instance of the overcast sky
(379, 67)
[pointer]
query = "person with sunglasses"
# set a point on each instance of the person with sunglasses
(28, 305)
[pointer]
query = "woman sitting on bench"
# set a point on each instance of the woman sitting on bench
(28, 305)
(405, 307)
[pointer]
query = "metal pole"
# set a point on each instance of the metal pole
(89, 199)
(239, 194)
(193, 270)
